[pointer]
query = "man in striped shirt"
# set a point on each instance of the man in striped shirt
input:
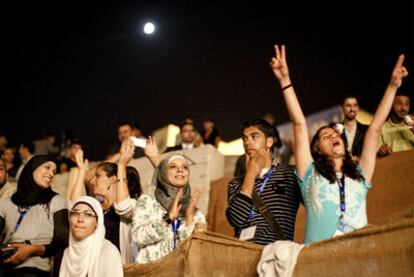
(276, 185)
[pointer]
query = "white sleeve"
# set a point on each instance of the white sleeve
(126, 207)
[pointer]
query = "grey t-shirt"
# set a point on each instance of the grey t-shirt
(37, 226)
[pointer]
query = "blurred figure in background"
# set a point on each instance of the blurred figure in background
(210, 134)
(6, 189)
(197, 137)
(26, 151)
(3, 142)
(8, 157)
(125, 130)
(397, 133)
(46, 145)
(352, 131)
(67, 163)
(188, 138)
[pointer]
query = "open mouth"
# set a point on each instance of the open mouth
(336, 144)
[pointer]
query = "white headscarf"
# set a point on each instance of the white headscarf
(81, 258)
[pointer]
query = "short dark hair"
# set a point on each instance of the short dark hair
(126, 123)
(29, 145)
(75, 141)
(262, 125)
(137, 126)
(348, 97)
(209, 119)
(402, 93)
(184, 123)
(187, 118)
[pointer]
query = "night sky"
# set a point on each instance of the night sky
(86, 66)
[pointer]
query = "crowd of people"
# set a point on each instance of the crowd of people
(106, 221)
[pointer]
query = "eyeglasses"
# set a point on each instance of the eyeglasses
(86, 214)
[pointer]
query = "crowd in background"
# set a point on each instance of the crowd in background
(107, 217)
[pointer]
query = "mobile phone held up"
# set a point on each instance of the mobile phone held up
(139, 142)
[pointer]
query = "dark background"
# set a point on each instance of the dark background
(86, 66)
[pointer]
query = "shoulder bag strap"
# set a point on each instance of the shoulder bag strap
(261, 206)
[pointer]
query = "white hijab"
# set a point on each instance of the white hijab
(81, 258)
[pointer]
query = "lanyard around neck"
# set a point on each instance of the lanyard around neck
(22, 211)
(175, 225)
(341, 186)
(262, 187)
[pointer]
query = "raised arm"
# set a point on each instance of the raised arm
(126, 152)
(79, 187)
(151, 151)
(300, 131)
(372, 137)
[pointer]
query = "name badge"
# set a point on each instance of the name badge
(248, 233)
(342, 228)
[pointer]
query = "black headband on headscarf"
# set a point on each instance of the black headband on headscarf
(28, 192)
(165, 193)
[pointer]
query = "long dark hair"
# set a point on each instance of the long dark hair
(325, 167)
(134, 182)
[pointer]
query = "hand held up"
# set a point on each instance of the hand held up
(190, 212)
(176, 205)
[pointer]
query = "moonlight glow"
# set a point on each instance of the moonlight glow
(149, 28)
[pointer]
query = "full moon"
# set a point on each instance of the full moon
(149, 28)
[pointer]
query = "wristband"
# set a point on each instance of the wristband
(286, 87)
(122, 180)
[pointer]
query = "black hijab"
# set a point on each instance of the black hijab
(28, 192)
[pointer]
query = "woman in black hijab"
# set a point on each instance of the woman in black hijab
(33, 222)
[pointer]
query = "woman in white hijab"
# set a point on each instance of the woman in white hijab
(89, 253)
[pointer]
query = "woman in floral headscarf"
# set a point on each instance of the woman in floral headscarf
(163, 220)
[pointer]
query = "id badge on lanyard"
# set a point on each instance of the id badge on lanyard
(342, 226)
(249, 232)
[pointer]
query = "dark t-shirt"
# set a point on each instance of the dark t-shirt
(112, 222)
(12, 171)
